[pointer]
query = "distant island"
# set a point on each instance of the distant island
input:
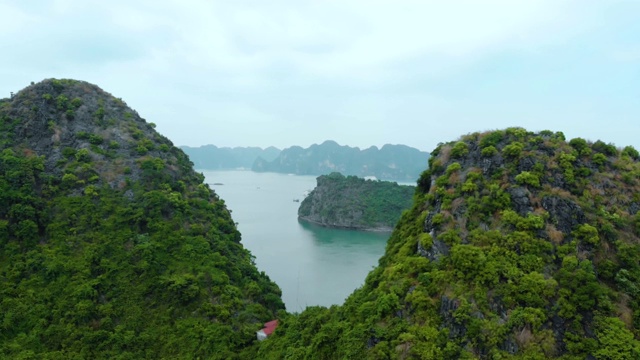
(391, 162)
(211, 157)
(353, 203)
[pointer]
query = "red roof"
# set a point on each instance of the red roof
(270, 326)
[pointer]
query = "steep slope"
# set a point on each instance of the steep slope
(110, 244)
(391, 162)
(211, 157)
(354, 203)
(519, 245)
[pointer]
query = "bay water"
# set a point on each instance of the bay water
(312, 265)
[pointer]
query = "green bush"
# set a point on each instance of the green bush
(76, 103)
(513, 150)
(489, 151)
(459, 150)
(607, 149)
(580, 145)
(68, 152)
(140, 149)
(137, 134)
(615, 341)
(600, 160)
(631, 152)
(469, 186)
(517, 132)
(587, 234)
(95, 139)
(453, 168)
(528, 178)
(492, 139)
(69, 179)
(426, 240)
(99, 114)
(83, 155)
(467, 260)
(62, 102)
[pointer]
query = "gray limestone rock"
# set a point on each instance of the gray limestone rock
(564, 213)
(520, 200)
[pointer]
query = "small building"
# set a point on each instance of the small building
(267, 330)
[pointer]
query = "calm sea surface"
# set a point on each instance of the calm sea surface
(311, 264)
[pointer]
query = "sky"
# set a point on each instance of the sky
(360, 72)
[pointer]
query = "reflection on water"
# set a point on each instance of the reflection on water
(311, 264)
(342, 238)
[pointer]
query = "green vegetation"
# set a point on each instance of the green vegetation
(112, 256)
(517, 245)
(530, 252)
(355, 203)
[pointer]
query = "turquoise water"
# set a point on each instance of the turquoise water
(311, 264)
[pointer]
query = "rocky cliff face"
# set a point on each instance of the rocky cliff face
(519, 245)
(354, 203)
(65, 119)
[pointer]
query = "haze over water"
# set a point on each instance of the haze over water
(311, 264)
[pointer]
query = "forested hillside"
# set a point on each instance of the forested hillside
(519, 245)
(354, 203)
(111, 246)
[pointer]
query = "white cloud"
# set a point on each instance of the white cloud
(307, 70)
(349, 39)
(14, 20)
(354, 39)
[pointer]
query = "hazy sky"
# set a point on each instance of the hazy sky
(361, 72)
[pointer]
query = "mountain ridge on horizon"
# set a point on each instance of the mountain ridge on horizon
(280, 148)
(389, 162)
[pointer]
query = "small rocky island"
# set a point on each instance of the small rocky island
(351, 202)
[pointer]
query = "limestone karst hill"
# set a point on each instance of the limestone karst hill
(111, 246)
(350, 202)
(519, 245)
